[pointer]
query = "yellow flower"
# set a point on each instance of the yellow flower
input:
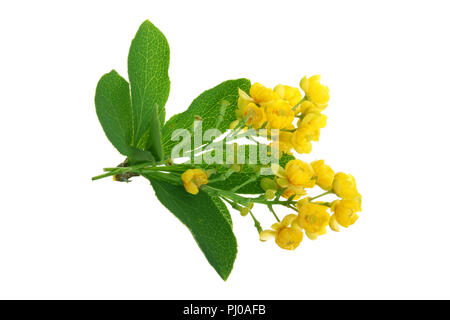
(300, 173)
(285, 139)
(308, 107)
(313, 218)
(243, 100)
(290, 94)
(302, 202)
(287, 233)
(294, 178)
(344, 213)
(289, 238)
(313, 119)
(255, 115)
(344, 185)
(261, 94)
(291, 190)
(311, 123)
(308, 129)
(279, 114)
(301, 140)
(315, 91)
(324, 174)
(284, 143)
(192, 179)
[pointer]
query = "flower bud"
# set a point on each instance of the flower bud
(324, 174)
(270, 194)
(344, 185)
(236, 167)
(192, 179)
(244, 211)
(304, 84)
(268, 184)
(334, 225)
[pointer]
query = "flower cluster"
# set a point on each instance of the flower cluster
(312, 217)
(278, 108)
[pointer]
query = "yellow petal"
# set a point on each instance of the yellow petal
(244, 95)
(334, 224)
(277, 170)
(267, 235)
(288, 220)
(276, 226)
(282, 182)
(304, 84)
(312, 236)
(244, 100)
(295, 225)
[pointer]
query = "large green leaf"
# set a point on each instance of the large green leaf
(148, 65)
(113, 107)
(206, 221)
(222, 208)
(215, 106)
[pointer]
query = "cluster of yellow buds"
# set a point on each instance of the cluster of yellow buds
(313, 217)
(278, 108)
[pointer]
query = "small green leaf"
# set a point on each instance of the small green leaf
(148, 65)
(136, 156)
(215, 106)
(206, 221)
(113, 107)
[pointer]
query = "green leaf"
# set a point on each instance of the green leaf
(215, 106)
(113, 107)
(136, 156)
(222, 208)
(154, 140)
(148, 65)
(205, 220)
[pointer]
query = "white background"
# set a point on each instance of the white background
(387, 66)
